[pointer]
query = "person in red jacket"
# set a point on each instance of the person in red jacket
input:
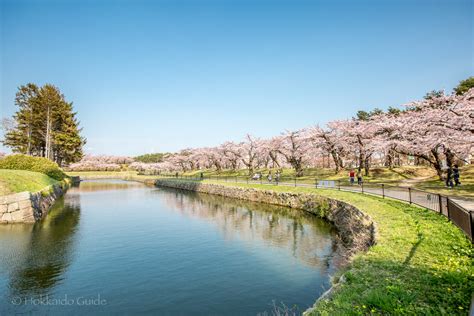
(352, 176)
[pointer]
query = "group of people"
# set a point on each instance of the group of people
(259, 176)
(453, 174)
(353, 174)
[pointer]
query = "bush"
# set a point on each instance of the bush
(37, 164)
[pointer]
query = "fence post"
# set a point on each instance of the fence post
(383, 191)
(440, 204)
(409, 195)
(316, 183)
(471, 217)
(447, 207)
(362, 187)
(247, 180)
(339, 184)
(295, 181)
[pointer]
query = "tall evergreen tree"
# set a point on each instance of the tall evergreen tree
(45, 125)
(20, 137)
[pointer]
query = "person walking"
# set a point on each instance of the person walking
(449, 178)
(351, 176)
(269, 177)
(456, 175)
(359, 177)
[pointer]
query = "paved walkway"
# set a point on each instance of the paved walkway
(404, 193)
(468, 204)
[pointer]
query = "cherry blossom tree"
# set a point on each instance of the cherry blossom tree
(100, 163)
(438, 128)
(268, 150)
(294, 146)
(249, 152)
(231, 152)
(357, 136)
(330, 142)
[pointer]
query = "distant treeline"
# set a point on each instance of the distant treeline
(152, 158)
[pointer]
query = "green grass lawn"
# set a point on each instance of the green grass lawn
(13, 181)
(422, 263)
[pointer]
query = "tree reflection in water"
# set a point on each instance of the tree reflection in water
(45, 252)
(308, 238)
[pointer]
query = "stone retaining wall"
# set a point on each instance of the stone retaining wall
(356, 229)
(27, 207)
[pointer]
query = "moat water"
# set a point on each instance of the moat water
(116, 247)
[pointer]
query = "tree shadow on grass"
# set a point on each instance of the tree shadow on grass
(413, 249)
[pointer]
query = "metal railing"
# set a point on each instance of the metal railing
(441, 204)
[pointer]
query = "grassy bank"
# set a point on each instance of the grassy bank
(13, 181)
(421, 264)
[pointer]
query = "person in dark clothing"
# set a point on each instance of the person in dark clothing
(456, 175)
(359, 177)
(202, 175)
(449, 178)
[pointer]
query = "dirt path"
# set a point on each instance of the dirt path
(411, 182)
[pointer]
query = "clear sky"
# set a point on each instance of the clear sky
(150, 76)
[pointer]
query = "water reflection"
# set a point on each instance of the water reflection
(175, 252)
(101, 185)
(308, 238)
(37, 256)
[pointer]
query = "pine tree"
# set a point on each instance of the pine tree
(21, 136)
(66, 137)
(45, 125)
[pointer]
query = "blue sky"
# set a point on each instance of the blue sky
(149, 76)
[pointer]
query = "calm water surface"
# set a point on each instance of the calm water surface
(115, 247)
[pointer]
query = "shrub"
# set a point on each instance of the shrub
(37, 164)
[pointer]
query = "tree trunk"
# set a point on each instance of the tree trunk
(437, 163)
(361, 161)
(336, 159)
(298, 168)
(274, 159)
(389, 159)
(48, 134)
(367, 166)
(28, 146)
